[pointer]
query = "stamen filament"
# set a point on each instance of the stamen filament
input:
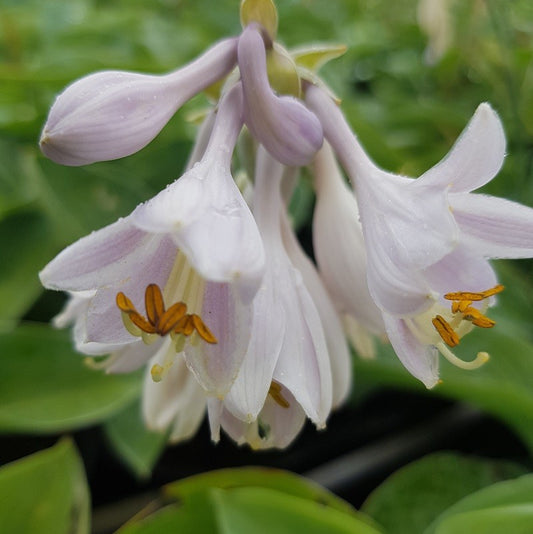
(481, 358)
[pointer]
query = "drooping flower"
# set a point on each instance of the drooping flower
(429, 239)
(112, 114)
(193, 254)
(340, 252)
(299, 362)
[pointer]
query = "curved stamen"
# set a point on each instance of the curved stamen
(481, 358)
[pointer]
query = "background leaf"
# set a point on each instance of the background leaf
(46, 387)
(410, 499)
(504, 506)
(250, 500)
(45, 493)
(132, 442)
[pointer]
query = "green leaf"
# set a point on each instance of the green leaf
(410, 499)
(263, 511)
(133, 443)
(196, 515)
(27, 243)
(510, 501)
(517, 519)
(46, 387)
(45, 493)
(274, 479)
(250, 500)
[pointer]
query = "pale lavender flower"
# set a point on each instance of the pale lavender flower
(297, 359)
(197, 241)
(112, 114)
(287, 129)
(340, 253)
(430, 237)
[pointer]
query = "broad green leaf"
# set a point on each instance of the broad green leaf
(510, 500)
(196, 515)
(46, 387)
(517, 519)
(245, 477)
(27, 243)
(45, 493)
(133, 443)
(263, 511)
(410, 499)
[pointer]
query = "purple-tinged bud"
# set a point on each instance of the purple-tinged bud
(287, 129)
(112, 114)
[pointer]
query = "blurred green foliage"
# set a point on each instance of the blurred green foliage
(406, 111)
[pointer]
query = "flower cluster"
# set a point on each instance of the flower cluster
(213, 294)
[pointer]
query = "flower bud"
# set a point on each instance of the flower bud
(112, 114)
(287, 129)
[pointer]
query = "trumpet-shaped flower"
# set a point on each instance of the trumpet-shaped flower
(193, 254)
(428, 240)
(285, 127)
(112, 114)
(284, 378)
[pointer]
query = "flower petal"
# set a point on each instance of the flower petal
(216, 365)
(275, 427)
(494, 227)
(177, 401)
(106, 257)
(249, 391)
(339, 245)
(420, 360)
(303, 366)
(130, 358)
(339, 355)
(461, 270)
(476, 157)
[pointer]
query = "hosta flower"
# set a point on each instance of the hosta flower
(112, 114)
(340, 252)
(185, 264)
(428, 240)
(286, 128)
(285, 376)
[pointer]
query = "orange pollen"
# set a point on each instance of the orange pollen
(163, 321)
(275, 392)
(462, 303)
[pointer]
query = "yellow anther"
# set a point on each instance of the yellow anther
(202, 329)
(275, 392)
(459, 306)
(473, 296)
(477, 318)
(493, 291)
(159, 320)
(446, 332)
